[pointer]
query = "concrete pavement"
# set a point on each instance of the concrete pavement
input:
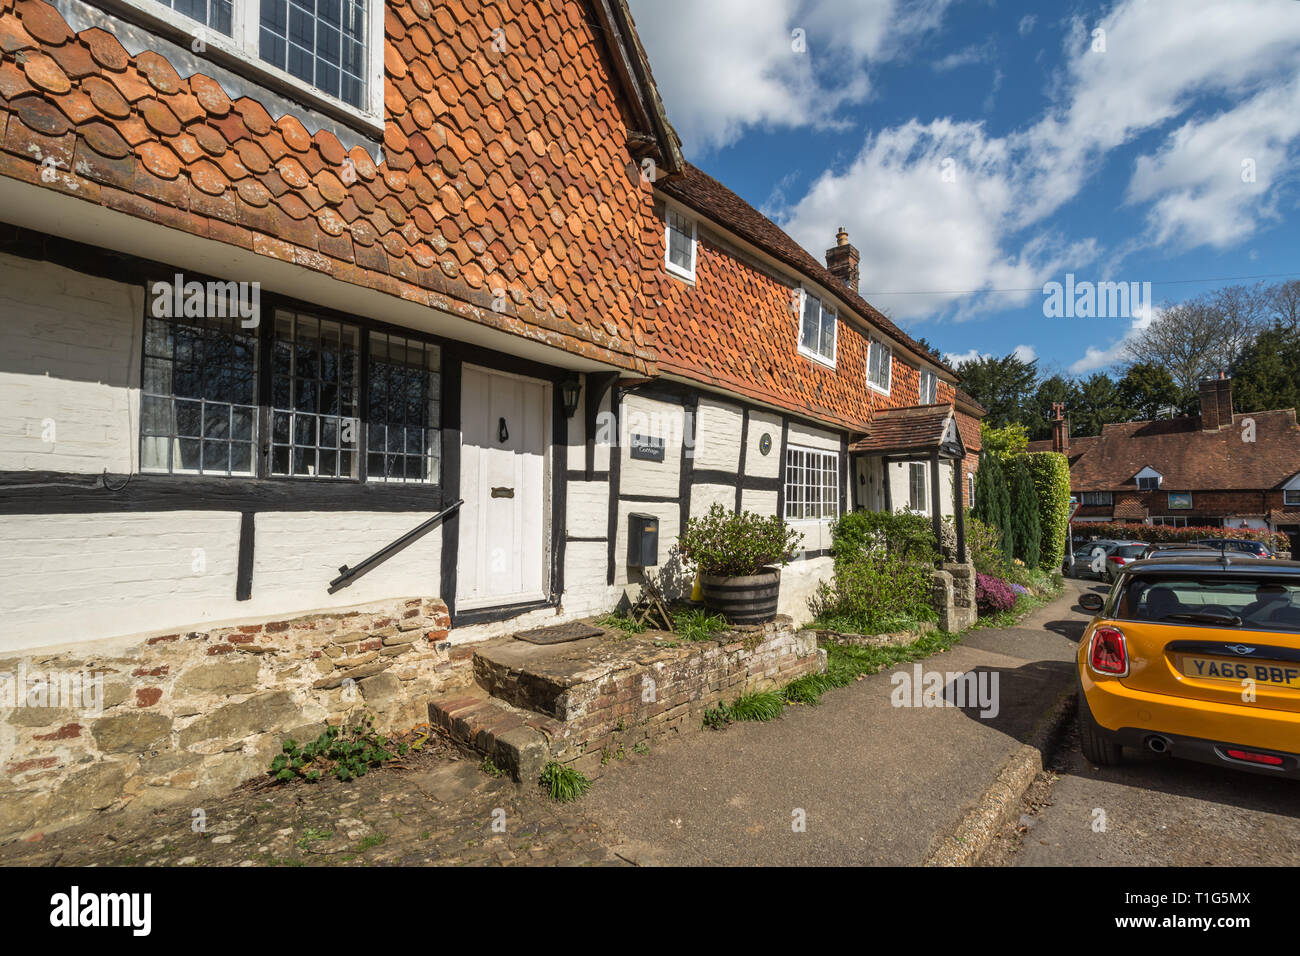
(873, 783)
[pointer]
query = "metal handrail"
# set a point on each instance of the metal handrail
(347, 575)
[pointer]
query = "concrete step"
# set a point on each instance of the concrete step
(515, 739)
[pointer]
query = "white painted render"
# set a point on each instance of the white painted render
(69, 358)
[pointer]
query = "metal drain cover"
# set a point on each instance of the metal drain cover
(559, 633)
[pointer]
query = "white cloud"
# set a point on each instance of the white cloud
(1210, 182)
(725, 66)
(971, 55)
(1026, 25)
(985, 229)
(1098, 357)
(1026, 353)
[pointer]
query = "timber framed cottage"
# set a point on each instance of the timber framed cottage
(347, 332)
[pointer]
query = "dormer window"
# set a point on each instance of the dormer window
(679, 256)
(1148, 479)
(817, 330)
(330, 51)
(1291, 491)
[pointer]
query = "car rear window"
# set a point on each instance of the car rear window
(1261, 602)
(1131, 550)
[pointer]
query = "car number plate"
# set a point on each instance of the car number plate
(1261, 672)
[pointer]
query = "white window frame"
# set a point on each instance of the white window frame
(874, 343)
(825, 308)
(243, 46)
(970, 487)
(1290, 497)
(1169, 521)
(1107, 499)
(672, 267)
(932, 388)
(823, 457)
(925, 487)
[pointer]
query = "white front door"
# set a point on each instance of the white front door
(505, 481)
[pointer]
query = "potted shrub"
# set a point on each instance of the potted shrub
(739, 559)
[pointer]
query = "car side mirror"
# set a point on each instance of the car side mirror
(1092, 602)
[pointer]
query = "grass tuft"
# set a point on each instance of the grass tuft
(764, 705)
(564, 783)
(696, 624)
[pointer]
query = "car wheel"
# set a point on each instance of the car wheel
(1096, 746)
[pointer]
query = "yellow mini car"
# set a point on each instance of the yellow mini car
(1195, 657)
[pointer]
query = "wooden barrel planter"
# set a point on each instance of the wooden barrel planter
(743, 600)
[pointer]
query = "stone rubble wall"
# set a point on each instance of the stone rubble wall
(188, 715)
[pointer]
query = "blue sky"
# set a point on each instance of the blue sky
(983, 145)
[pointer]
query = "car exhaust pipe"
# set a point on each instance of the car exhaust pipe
(1158, 745)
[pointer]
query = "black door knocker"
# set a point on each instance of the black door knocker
(503, 433)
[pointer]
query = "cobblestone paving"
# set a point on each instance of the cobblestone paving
(439, 809)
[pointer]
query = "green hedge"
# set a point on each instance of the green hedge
(1158, 533)
(858, 533)
(1050, 472)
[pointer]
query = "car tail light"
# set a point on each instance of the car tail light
(1253, 757)
(1108, 653)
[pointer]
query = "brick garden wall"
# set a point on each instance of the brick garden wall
(668, 696)
(193, 714)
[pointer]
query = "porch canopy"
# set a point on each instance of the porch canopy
(927, 433)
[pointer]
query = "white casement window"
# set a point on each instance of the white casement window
(818, 326)
(812, 484)
(916, 486)
(929, 387)
(332, 50)
(1291, 497)
(970, 490)
(1097, 498)
(680, 248)
(1169, 521)
(879, 363)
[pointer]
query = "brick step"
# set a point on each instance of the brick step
(516, 740)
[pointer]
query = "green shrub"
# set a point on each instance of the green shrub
(982, 547)
(859, 533)
(723, 543)
(1050, 472)
(874, 593)
(992, 503)
(1025, 537)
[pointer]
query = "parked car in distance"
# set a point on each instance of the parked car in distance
(1086, 563)
(1178, 550)
(1120, 556)
(1253, 548)
(1167, 660)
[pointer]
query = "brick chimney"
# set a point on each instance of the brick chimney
(842, 260)
(1060, 429)
(1216, 403)
(1225, 400)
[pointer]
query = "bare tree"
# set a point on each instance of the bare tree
(1244, 313)
(1185, 338)
(1202, 337)
(1285, 304)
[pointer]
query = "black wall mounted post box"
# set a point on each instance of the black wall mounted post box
(642, 541)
